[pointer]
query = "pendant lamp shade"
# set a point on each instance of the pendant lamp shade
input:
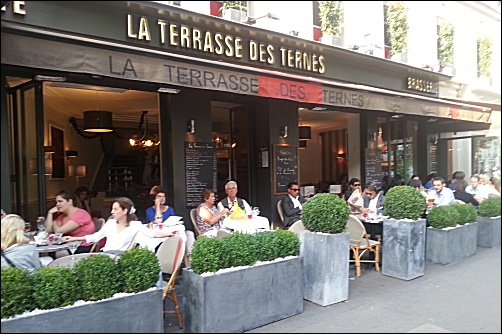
(303, 144)
(305, 132)
(98, 121)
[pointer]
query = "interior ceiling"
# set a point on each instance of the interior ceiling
(127, 105)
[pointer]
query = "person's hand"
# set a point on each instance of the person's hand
(68, 238)
(225, 213)
(171, 233)
(53, 210)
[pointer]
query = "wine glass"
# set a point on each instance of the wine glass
(27, 226)
(72, 246)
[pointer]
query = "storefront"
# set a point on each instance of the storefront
(227, 99)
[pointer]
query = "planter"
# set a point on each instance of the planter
(326, 267)
(488, 231)
(243, 299)
(332, 40)
(445, 246)
(138, 313)
(403, 248)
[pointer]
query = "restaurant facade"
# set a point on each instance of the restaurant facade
(193, 66)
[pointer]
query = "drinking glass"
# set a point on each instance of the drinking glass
(59, 235)
(73, 247)
(27, 226)
(256, 211)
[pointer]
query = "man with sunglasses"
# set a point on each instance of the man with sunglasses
(373, 200)
(355, 200)
(292, 205)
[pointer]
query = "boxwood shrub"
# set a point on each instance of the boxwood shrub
(404, 202)
(98, 277)
(139, 270)
(55, 287)
(237, 249)
(443, 216)
(326, 213)
(467, 213)
(17, 292)
(489, 207)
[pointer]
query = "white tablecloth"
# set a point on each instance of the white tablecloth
(152, 243)
(247, 226)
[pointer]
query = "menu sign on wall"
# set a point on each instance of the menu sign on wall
(285, 167)
(433, 164)
(373, 167)
(201, 171)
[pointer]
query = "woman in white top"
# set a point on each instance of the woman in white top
(121, 230)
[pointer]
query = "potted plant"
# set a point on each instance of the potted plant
(445, 48)
(326, 249)
(331, 15)
(452, 234)
(233, 11)
(229, 277)
(94, 282)
(403, 245)
(489, 223)
(397, 31)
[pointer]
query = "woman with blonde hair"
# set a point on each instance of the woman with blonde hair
(493, 187)
(16, 251)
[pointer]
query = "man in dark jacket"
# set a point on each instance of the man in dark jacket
(292, 205)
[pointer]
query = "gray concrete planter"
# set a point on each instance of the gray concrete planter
(137, 313)
(326, 267)
(445, 246)
(488, 231)
(240, 300)
(403, 248)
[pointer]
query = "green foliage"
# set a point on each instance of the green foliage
(98, 277)
(467, 213)
(489, 207)
(326, 213)
(485, 56)
(139, 270)
(397, 20)
(404, 202)
(55, 287)
(331, 14)
(207, 254)
(239, 249)
(17, 291)
(445, 35)
(280, 243)
(443, 216)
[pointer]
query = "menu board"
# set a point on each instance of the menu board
(285, 167)
(433, 164)
(373, 167)
(201, 171)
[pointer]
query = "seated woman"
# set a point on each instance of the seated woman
(121, 230)
(16, 252)
(159, 212)
(208, 216)
(71, 221)
(462, 195)
(83, 201)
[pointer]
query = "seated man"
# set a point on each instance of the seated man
(441, 195)
(292, 205)
(476, 189)
(373, 200)
(232, 201)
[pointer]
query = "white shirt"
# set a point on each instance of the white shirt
(116, 240)
(479, 191)
(373, 203)
(296, 202)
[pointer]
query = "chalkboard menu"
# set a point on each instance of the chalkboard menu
(285, 167)
(373, 166)
(433, 164)
(201, 171)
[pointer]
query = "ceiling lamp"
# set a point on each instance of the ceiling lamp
(305, 132)
(143, 141)
(98, 121)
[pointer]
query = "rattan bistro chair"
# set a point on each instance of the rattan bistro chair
(360, 243)
(170, 255)
(279, 211)
(193, 217)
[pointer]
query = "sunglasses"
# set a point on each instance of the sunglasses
(356, 184)
(294, 189)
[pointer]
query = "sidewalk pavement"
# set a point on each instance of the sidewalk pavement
(463, 297)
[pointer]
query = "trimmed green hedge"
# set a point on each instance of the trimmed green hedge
(404, 202)
(238, 249)
(443, 216)
(467, 213)
(94, 278)
(326, 213)
(489, 207)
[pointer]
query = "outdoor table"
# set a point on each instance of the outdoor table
(49, 248)
(374, 227)
(255, 224)
(152, 243)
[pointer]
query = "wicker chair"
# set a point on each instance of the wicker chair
(360, 243)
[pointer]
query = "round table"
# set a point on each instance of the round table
(52, 247)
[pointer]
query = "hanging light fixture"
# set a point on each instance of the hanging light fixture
(98, 120)
(143, 141)
(305, 132)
